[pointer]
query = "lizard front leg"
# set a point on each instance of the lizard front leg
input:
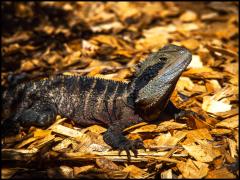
(122, 116)
(114, 137)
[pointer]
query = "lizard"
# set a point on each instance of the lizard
(89, 100)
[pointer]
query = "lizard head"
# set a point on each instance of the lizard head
(156, 77)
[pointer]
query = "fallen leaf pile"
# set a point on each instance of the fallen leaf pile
(107, 39)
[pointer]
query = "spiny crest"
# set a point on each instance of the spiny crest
(85, 78)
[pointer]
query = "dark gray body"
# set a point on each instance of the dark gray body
(85, 100)
(90, 101)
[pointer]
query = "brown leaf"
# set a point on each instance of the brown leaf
(203, 152)
(188, 16)
(152, 42)
(193, 169)
(26, 142)
(230, 123)
(39, 133)
(146, 128)
(7, 173)
(96, 129)
(167, 174)
(106, 164)
(112, 41)
(233, 148)
(60, 172)
(28, 66)
(66, 131)
(168, 140)
(199, 134)
(203, 73)
(169, 125)
(79, 170)
(108, 27)
(222, 173)
(135, 172)
(220, 132)
(40, 143)
(191, 44)
(63, 145)
(226, 33)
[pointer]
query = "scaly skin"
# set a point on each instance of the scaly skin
(90, 101)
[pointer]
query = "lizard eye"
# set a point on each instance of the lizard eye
(163, 59)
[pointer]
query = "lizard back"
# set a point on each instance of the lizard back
(86, 100)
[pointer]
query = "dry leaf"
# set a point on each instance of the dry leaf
(199, 89)
(112, 41)
(193, 169)
(203, 73)
(213, 85)
(40, 143)
(188, 16)
(184, 83)
(7, 173)
(79, 170)
(146, 128)
(196, 62)
(187, 27)
(231, 122)
(60, 172)
(39, 133)
(28, 66)
(169, 125)
(26, 142)
(226, 33)
(203, 152)
(191, 44)
(167, 174)
(214, 106)
(168, 140)
(233, 148)
(126, 10)
(72, 58)
(19, 154)
(199, 134)
(96, 129)
(222, 173)
(152, 42)
(135, 172)
(66, 131)
(106, 164)
(231, 68)
(61, 147)
(107, 27)
(220, 132)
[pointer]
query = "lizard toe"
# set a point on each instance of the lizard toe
(131, 145)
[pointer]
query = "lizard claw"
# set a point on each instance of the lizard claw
(131, 145)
